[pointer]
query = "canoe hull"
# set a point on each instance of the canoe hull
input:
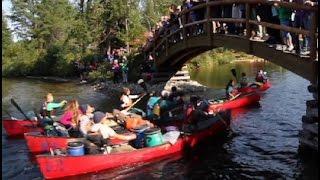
(62, 166)
(38, 143)
(264, 87)
(16, 128)
(245, 100)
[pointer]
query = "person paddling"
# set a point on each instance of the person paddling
(261, 77)
(48, 106)
(243, 80)
(231, 91)
(71, 116)
(126, 101)
(152, 102)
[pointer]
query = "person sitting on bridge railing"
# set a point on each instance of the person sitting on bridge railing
(285, 19)
(302, 20)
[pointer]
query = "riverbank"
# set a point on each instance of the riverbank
(108, 87)
(52, 79)
(221, 56)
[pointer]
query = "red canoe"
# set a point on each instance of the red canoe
(62, 166)
(253, 88)
(16, 128)
(39, 143)
(241, 101)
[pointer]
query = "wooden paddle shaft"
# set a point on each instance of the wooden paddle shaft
(128, 108)
(18, 107)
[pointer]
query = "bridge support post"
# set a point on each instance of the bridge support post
(313, 37)
(308, 136)
(248, 28)
(184, 30)
(209, 28)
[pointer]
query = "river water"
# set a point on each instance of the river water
(262, 144)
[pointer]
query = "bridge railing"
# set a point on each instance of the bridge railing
(204, 26)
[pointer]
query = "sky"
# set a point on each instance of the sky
(6, 6)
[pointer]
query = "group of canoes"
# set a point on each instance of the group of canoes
(84, 141)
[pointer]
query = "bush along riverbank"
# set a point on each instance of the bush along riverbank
(220, 56)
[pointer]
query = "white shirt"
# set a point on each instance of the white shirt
(127, 100)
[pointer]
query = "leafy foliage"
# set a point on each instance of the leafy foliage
(52, 35)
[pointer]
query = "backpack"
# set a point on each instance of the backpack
(50, 130)
(124, 68)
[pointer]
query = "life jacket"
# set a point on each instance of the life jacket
(43, 109)
(152, 102)
(134, 122)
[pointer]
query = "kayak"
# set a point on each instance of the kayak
(16, 128)
(59, 166)
(254, 87)
(241, 101)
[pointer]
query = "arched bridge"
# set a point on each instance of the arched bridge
(179, 45)
(176, 47)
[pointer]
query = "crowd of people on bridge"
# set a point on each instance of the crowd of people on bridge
(275, 14)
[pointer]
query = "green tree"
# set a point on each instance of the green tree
(6, 35)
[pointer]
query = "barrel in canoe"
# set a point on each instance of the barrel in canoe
(16, 128)
(241, 101)
(65, 165)
(38, 143)
(255, 87)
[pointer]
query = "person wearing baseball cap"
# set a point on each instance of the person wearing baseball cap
(143, 85)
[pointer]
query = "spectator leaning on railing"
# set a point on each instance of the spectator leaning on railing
(275, 14)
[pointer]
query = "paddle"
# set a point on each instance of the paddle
(128, 108)
(234, 97)
(234, 73)
(222, 120)
(18, 107)
(256, 83)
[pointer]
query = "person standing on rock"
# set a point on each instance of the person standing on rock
(125, 70)
(143, 85)
(116, 71)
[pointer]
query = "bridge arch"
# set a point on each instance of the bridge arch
(176, 47)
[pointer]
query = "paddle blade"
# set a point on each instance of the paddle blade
(234, 73)
(18, 107)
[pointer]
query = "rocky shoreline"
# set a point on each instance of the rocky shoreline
(187, 87)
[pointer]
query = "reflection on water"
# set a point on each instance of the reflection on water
(29, 94)
(217, 77)
(262, 144)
